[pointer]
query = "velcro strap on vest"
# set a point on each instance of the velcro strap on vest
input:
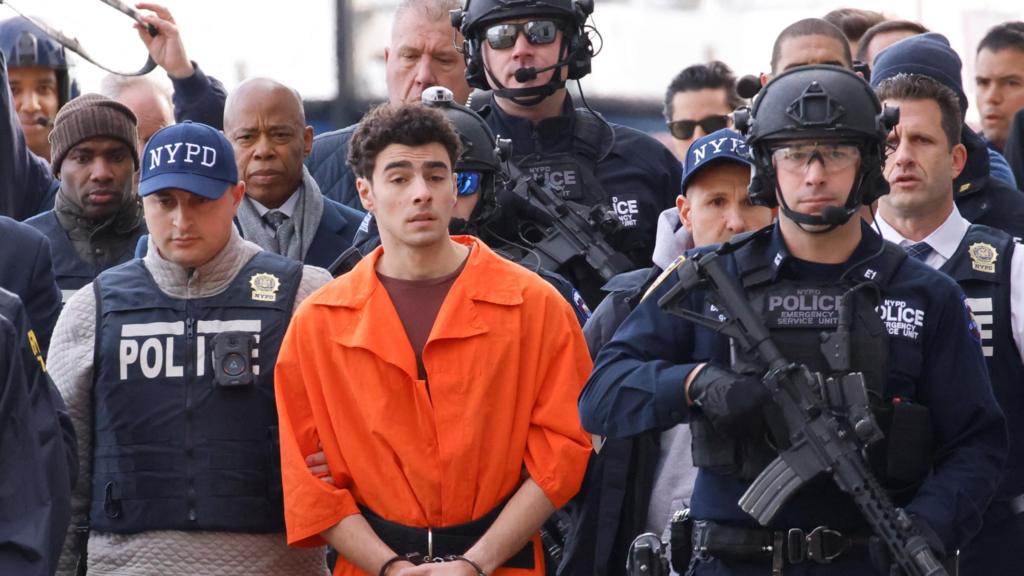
(448, 541)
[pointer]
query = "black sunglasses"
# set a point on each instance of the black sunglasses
(683, 129)
(502, 36)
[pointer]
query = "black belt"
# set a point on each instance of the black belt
(821, 545)
(442, 542)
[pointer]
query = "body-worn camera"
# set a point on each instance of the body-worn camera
(232, 358)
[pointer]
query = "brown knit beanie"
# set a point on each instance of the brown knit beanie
(91, 116)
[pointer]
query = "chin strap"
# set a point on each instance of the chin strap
(834, 219)
(533, 95)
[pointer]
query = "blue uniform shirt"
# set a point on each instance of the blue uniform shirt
(934, 359)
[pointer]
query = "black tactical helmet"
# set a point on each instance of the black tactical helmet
(818, 102)
(480, 152)
(26, 46)
(479, 149)
(475, 15)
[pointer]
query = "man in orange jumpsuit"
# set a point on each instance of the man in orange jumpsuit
(439, 379)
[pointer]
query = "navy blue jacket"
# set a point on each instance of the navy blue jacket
(26, 269)
(328, 163)
(638, 385)
(27, 184)
(38, 452)
(334, 235)
(1014, 150)
(199, 98)
(983, 199)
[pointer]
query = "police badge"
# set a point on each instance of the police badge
(983, 257)
(264, 287)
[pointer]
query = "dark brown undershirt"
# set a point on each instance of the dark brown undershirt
(418, 303)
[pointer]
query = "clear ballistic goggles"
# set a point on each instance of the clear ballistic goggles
(834, 157)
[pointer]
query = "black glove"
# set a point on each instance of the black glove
(514, 204)
(731, 401)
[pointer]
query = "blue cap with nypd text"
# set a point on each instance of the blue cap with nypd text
(724, 145)
(188, 156)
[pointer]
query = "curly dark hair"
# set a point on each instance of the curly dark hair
(406, 124)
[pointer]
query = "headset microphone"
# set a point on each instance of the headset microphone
(527, 74)
(44, 121)
(834, 215)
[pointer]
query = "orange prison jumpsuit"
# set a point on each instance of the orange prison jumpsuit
(505, 360)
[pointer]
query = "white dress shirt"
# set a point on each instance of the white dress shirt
(288, 208)
(944, 241)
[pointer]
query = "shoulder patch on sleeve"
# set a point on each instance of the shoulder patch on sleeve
(577, 299)
(972, 322)
(664, 276)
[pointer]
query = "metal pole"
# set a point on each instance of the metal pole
(344, 112)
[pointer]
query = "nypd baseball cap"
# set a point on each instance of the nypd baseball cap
(725, 145)
(188, 156)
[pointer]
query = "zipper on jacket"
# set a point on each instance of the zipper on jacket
(190, 367)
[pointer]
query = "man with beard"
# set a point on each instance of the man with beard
(96, 220)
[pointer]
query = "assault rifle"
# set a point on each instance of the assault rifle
(827, 423)
(560, 231)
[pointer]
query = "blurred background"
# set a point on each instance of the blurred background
(332, 50)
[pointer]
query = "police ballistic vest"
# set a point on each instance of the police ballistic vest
(572, 176)
(981, 266)
(173, 449)
(796, 314)
(70, 270)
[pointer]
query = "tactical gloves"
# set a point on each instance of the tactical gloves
(731, 402)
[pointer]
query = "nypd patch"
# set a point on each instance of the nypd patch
(264, 286)
(983, 257)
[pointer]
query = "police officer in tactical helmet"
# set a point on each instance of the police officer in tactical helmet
(478, 169)
(526, 50)
(817, 138)
(40, 79)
